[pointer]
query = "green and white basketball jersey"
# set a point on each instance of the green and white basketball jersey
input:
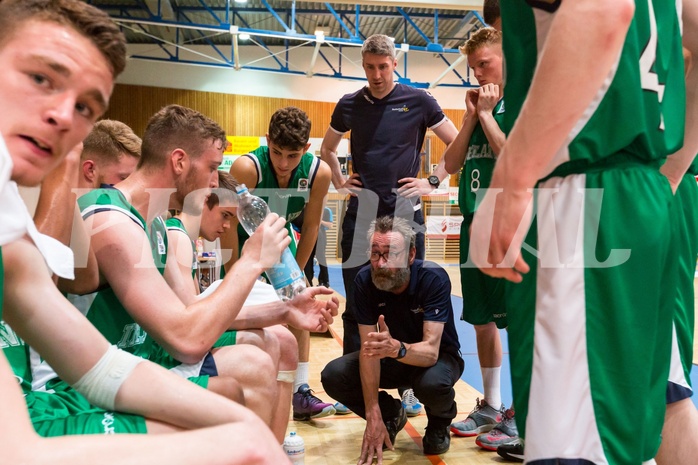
(17, 354)
(288, 202)
(175, 224)
(647, 82)
(479, 165)
(102, 307)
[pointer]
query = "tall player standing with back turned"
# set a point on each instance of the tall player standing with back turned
(592, 300)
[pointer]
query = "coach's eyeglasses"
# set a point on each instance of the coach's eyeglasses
(389, 256)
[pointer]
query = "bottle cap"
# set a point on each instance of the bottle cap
(242, 189)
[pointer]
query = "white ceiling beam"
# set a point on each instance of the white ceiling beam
(438, 4)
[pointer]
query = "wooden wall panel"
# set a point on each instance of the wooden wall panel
(239, 115)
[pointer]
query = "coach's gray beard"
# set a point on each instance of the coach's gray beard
(389, 280)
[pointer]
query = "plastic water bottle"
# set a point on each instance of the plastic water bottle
(295, 448)
(286, 276)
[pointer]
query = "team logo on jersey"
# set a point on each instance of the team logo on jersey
(131, 336)
(418, 310)
(402, 109)
(8, 338)
(367, 97)
(161, 243)
(303, 185)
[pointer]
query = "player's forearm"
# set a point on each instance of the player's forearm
(50, 329)
(306, 244)
(454, 156)
(191, 336)
(544, 122)
(261, 315)
(495, 136)
(178, 401)
(678, 163)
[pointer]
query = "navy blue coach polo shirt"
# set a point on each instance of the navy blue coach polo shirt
(427, 298)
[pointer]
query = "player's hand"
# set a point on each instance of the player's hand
(414, 187)
(264, 247)
(498, 231)
(488, 98)
(471, 98)
(311, 314)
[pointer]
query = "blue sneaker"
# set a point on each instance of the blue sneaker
(411, 404)
(341, 409)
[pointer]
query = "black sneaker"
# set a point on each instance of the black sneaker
(512, 452)
(436, 440)
(394, 425)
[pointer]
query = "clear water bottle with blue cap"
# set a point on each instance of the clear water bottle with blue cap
(295, 448)
(286, 276)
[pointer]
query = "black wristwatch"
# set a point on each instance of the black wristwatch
(402, 351)
(434, 181)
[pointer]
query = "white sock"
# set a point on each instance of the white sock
(491, 384)
(301, 375)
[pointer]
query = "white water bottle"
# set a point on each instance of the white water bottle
(286, 276)
(295, 448)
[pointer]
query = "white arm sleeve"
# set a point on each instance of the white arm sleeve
(101, 384)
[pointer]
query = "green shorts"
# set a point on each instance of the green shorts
(483, 296)
(228, 338)
(588, 339)
(200, 380)
(685, 240)
(67, 412)
(96, 422)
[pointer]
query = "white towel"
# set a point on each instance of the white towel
(15, 222)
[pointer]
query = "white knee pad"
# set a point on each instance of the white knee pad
(101, 383)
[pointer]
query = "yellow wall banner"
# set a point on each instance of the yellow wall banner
(240, 145)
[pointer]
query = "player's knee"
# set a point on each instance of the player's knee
(288, 347)
(233, 390)
(228, 387)
(265, 368)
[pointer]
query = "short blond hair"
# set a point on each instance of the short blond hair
(484, 37)
(109, 140)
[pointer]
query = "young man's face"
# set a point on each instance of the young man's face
(215, 221)
(379, 71)
(486, 63)
(55, 84)
(285, 160)
(115, 172)
(200, 176)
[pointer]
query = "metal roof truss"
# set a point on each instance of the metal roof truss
(210, 33)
